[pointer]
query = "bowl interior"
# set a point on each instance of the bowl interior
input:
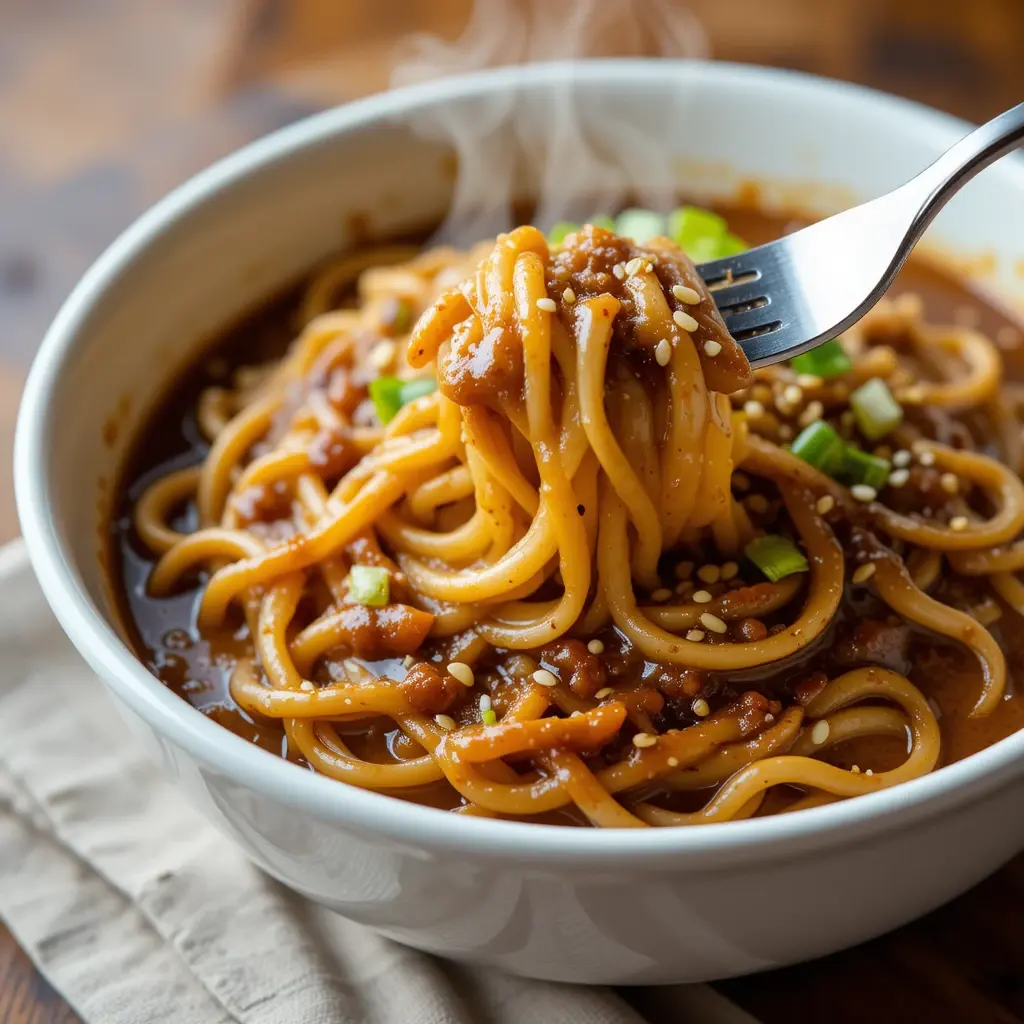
(255, 222)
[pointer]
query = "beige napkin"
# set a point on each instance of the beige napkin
(138, 911)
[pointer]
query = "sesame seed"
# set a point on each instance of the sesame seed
(635, 265)
(808, 380)
(382, 354)
(462, 672)
(820, 732)
(685, 321)
(926, 458)
(542, 677)
(898, 477)
(855, 770)
(568, 296)
(605, 691)
(786, 432)
(814, 411)
(709, 574)
(958, 523)
(485, 702)
(684, 294)
(695, 635)
(768, 719)
(714, 623)
(949, 482)
(864, 572)
(673, 762)
(753, 409)
(408, 661)
(685, 587)
(307, 686)
(661, 594)
(862, 492)
(757, 503)
(446, 722)
(712, 347)
(701, 707)
(644, 739)
(868, 771)
(730, 571)
(546, 304)
(596, 647)
(663, 352)
(618, 271)
(901, 458)
(793, 394)
(702, 597)
(510, 242)
(825, 504)
(684, 570)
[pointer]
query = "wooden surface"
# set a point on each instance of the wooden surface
(105, 104)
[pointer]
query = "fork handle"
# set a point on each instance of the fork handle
(939, 182)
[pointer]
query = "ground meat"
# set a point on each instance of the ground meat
(575, 665)
(332, 453)
(877, 643)
(677, 683)
(264, 503)
(429, 690)
(750, 630)
(344, 392)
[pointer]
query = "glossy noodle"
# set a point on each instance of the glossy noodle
(517, 532)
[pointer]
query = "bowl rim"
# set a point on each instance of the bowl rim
(366, 811)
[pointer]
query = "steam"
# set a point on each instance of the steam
(546, 147)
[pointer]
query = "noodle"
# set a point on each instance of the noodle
(561, 623)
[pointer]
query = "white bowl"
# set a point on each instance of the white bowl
(583, 905)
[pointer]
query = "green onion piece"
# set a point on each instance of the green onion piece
(369, 584)
(640, 225)
(386, 392)
(559, 230)
(413, 389)
(602, 220)
(776, 556)
(731, 245)
(821, 446)
(860, 467)
(876, 411)
(489, 716)
(827, 360)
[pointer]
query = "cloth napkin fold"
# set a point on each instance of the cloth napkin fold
(138, 911)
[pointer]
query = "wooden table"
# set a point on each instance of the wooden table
(105, 104)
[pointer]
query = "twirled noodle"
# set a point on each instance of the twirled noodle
(564, 624)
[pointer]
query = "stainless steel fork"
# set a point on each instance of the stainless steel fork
(784, 298)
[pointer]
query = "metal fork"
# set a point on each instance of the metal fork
(784, 298)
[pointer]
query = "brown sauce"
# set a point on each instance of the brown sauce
(197, 667)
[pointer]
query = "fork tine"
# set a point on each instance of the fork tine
(741, 324)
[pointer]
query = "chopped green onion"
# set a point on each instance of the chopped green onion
(860, 467)
(702, 235)
(776, 556)
(821, 446)
(413, 389)
(489, 716)
(389, 394)
(558, 231)
(876, 411)
(827, 360)
(640, 225)
(385, 392)
(370, 585)
(602, 220)
(731, 245)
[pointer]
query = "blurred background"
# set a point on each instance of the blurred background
(107, 104)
